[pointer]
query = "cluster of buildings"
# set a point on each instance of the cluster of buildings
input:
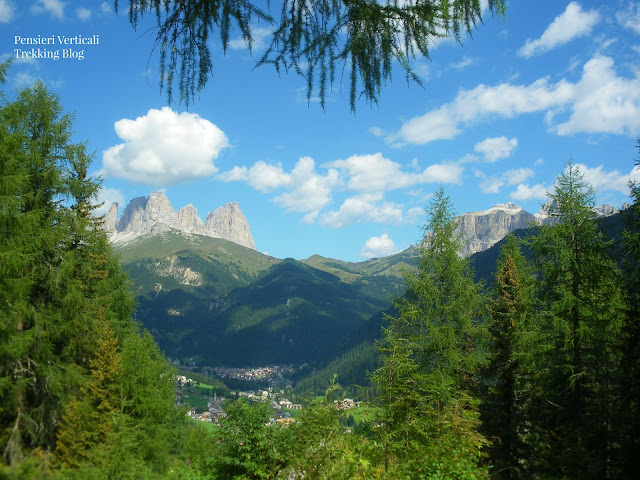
(273, 373)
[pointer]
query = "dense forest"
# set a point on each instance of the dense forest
(535, 377)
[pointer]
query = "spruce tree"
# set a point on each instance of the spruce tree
(629, 415)
(509, 373)
(431, 359)
(580, 295)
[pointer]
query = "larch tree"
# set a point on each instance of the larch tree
(432, 354)
(580, 321)
(317, 39)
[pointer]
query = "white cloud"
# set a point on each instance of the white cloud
(376, 173)
(363, 208)
(6, 11)
(413, 214)
(600, 102)
(105, 7)
(438, 124)
(462, 64)
(307, 191)
(517, 175)
(495, 183)
(572, 23)
(260, 37)
(602, 180)
(377, 247)
(603, 102)
(54, 7)
(525, 192)
(164, 148)
(491, 185)
(83, 13)
(311, 192)
(265, 177)
(630, 18)
(377, 131)
(108, 196)
(496, 148)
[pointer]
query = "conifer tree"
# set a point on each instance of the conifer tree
(581, 299)
(76, 376)
(35, 135)
(629, 415)
(431, 359)
(509, 373)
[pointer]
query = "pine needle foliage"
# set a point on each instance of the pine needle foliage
(317, 39)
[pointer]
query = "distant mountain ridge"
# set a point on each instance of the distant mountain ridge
(154, 214)
(481, 230)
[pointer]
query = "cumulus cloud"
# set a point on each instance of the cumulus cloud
(376, 173)
(603, 102)
(366, 207)
(602, 180)
(6, 11)
(572, 23)
(311, 191)
(83, 13)
(306, 190)
(630, 18)
(599, 178)
(496, 148)
(107, 197)
(377, 247)
(525, 192)
(495, 183)
(600, 102)
(164, 148)
(54, 7)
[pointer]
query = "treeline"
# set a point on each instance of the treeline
(536, 378)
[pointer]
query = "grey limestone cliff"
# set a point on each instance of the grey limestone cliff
(154, 214)
(228, 222)
(110, 222)
(482, 230)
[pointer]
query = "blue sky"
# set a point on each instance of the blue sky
(498, 118)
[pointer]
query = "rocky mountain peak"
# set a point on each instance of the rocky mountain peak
(481, 230)
(229, 222)
(189, 219)
(110, 222)
(154, 214)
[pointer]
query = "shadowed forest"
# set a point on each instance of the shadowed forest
(535, 377)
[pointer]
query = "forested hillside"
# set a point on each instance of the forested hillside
(218, 303)
(536, 376)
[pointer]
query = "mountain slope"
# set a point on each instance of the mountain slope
(224, 304)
